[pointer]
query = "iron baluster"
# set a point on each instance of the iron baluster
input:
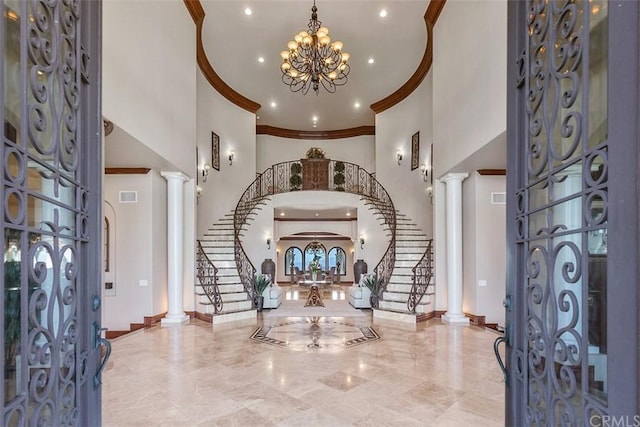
(422, 274)
(208, 277)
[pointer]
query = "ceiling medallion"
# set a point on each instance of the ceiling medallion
(312, 60)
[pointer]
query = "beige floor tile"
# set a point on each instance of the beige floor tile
(428, 374)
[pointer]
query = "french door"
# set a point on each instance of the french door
(572, 282)
(51, 218)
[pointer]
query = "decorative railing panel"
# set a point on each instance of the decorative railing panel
(287, 176)
(422, 274)
(208, 277)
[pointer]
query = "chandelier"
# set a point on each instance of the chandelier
(312, 60)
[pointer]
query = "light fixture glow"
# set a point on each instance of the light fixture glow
(371, 61)
(357, 105)
(198, 192)
(424, 171)
(313, 60)
(231, 156)
(261, 59)
(383, 13)
(399, 156)
(281, 213)
(361, 241)
(205, 171)
(273, 104)
(248, 11)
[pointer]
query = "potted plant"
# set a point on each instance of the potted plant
(260, 283)
(315, 153)
(374, 284)
(338, 176)
(295, 181)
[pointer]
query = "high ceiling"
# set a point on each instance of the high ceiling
(234, 41)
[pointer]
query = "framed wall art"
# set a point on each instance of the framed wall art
(215, 151)
(415, 150)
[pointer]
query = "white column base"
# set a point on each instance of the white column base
(174, 320)
(455, 319)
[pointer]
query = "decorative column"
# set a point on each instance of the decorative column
(175, 247)
(453, 182)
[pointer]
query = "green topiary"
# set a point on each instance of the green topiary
(296, 168)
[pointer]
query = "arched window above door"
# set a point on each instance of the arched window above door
(315, 250)
(337, 254)
(293, 258)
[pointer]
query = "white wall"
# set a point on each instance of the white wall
(158, 243)
(237, 131)
(484, 247)
(358, 150)
(469, 245)
(394, 129)
(491, 249)
(133, 254)
(149, 76)
(469, 79)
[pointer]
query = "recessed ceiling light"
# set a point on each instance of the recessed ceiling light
(281, 213)
(357, 105)
(248, 11)
(273, 104)
(317, 214)
(261, 59)
(383, 13)
(348, 213)
(257, 117)
(314, 118)
(371, 61)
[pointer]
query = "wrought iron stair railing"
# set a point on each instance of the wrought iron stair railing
(288, 176)
(208, 277)
(422, 274)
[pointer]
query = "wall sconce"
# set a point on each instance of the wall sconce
(231, 156)
(361, 242)
(205, 171)
(399, 156)
(268, 242)
(198, 192)
(430, 193)
(425, 172)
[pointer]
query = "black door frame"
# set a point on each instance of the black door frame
(623, 317)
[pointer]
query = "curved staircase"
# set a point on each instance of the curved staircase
(405, 270)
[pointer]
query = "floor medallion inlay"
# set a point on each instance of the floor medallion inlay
(315, 334)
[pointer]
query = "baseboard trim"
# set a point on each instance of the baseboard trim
(150, 321)
(205, 317)
(476, 320)
(423, 317)
(439, 313)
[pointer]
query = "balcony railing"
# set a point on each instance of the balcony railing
(328, 175)
(422, 274)
(208, 277)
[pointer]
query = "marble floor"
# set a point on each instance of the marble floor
(431, 374)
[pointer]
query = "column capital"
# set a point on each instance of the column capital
(174, 175)
(453, 176)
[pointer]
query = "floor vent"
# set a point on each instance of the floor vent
(128, 197)
(499, 198)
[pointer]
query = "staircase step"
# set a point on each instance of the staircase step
(395, 285)
(229, 307)
(401, 307)
(404, 317)
(225, 288)
(418, 250)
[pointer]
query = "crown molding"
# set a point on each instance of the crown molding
(320, 134)
(492, 172)
(126, 171)
(197, 14)
(430, 18)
